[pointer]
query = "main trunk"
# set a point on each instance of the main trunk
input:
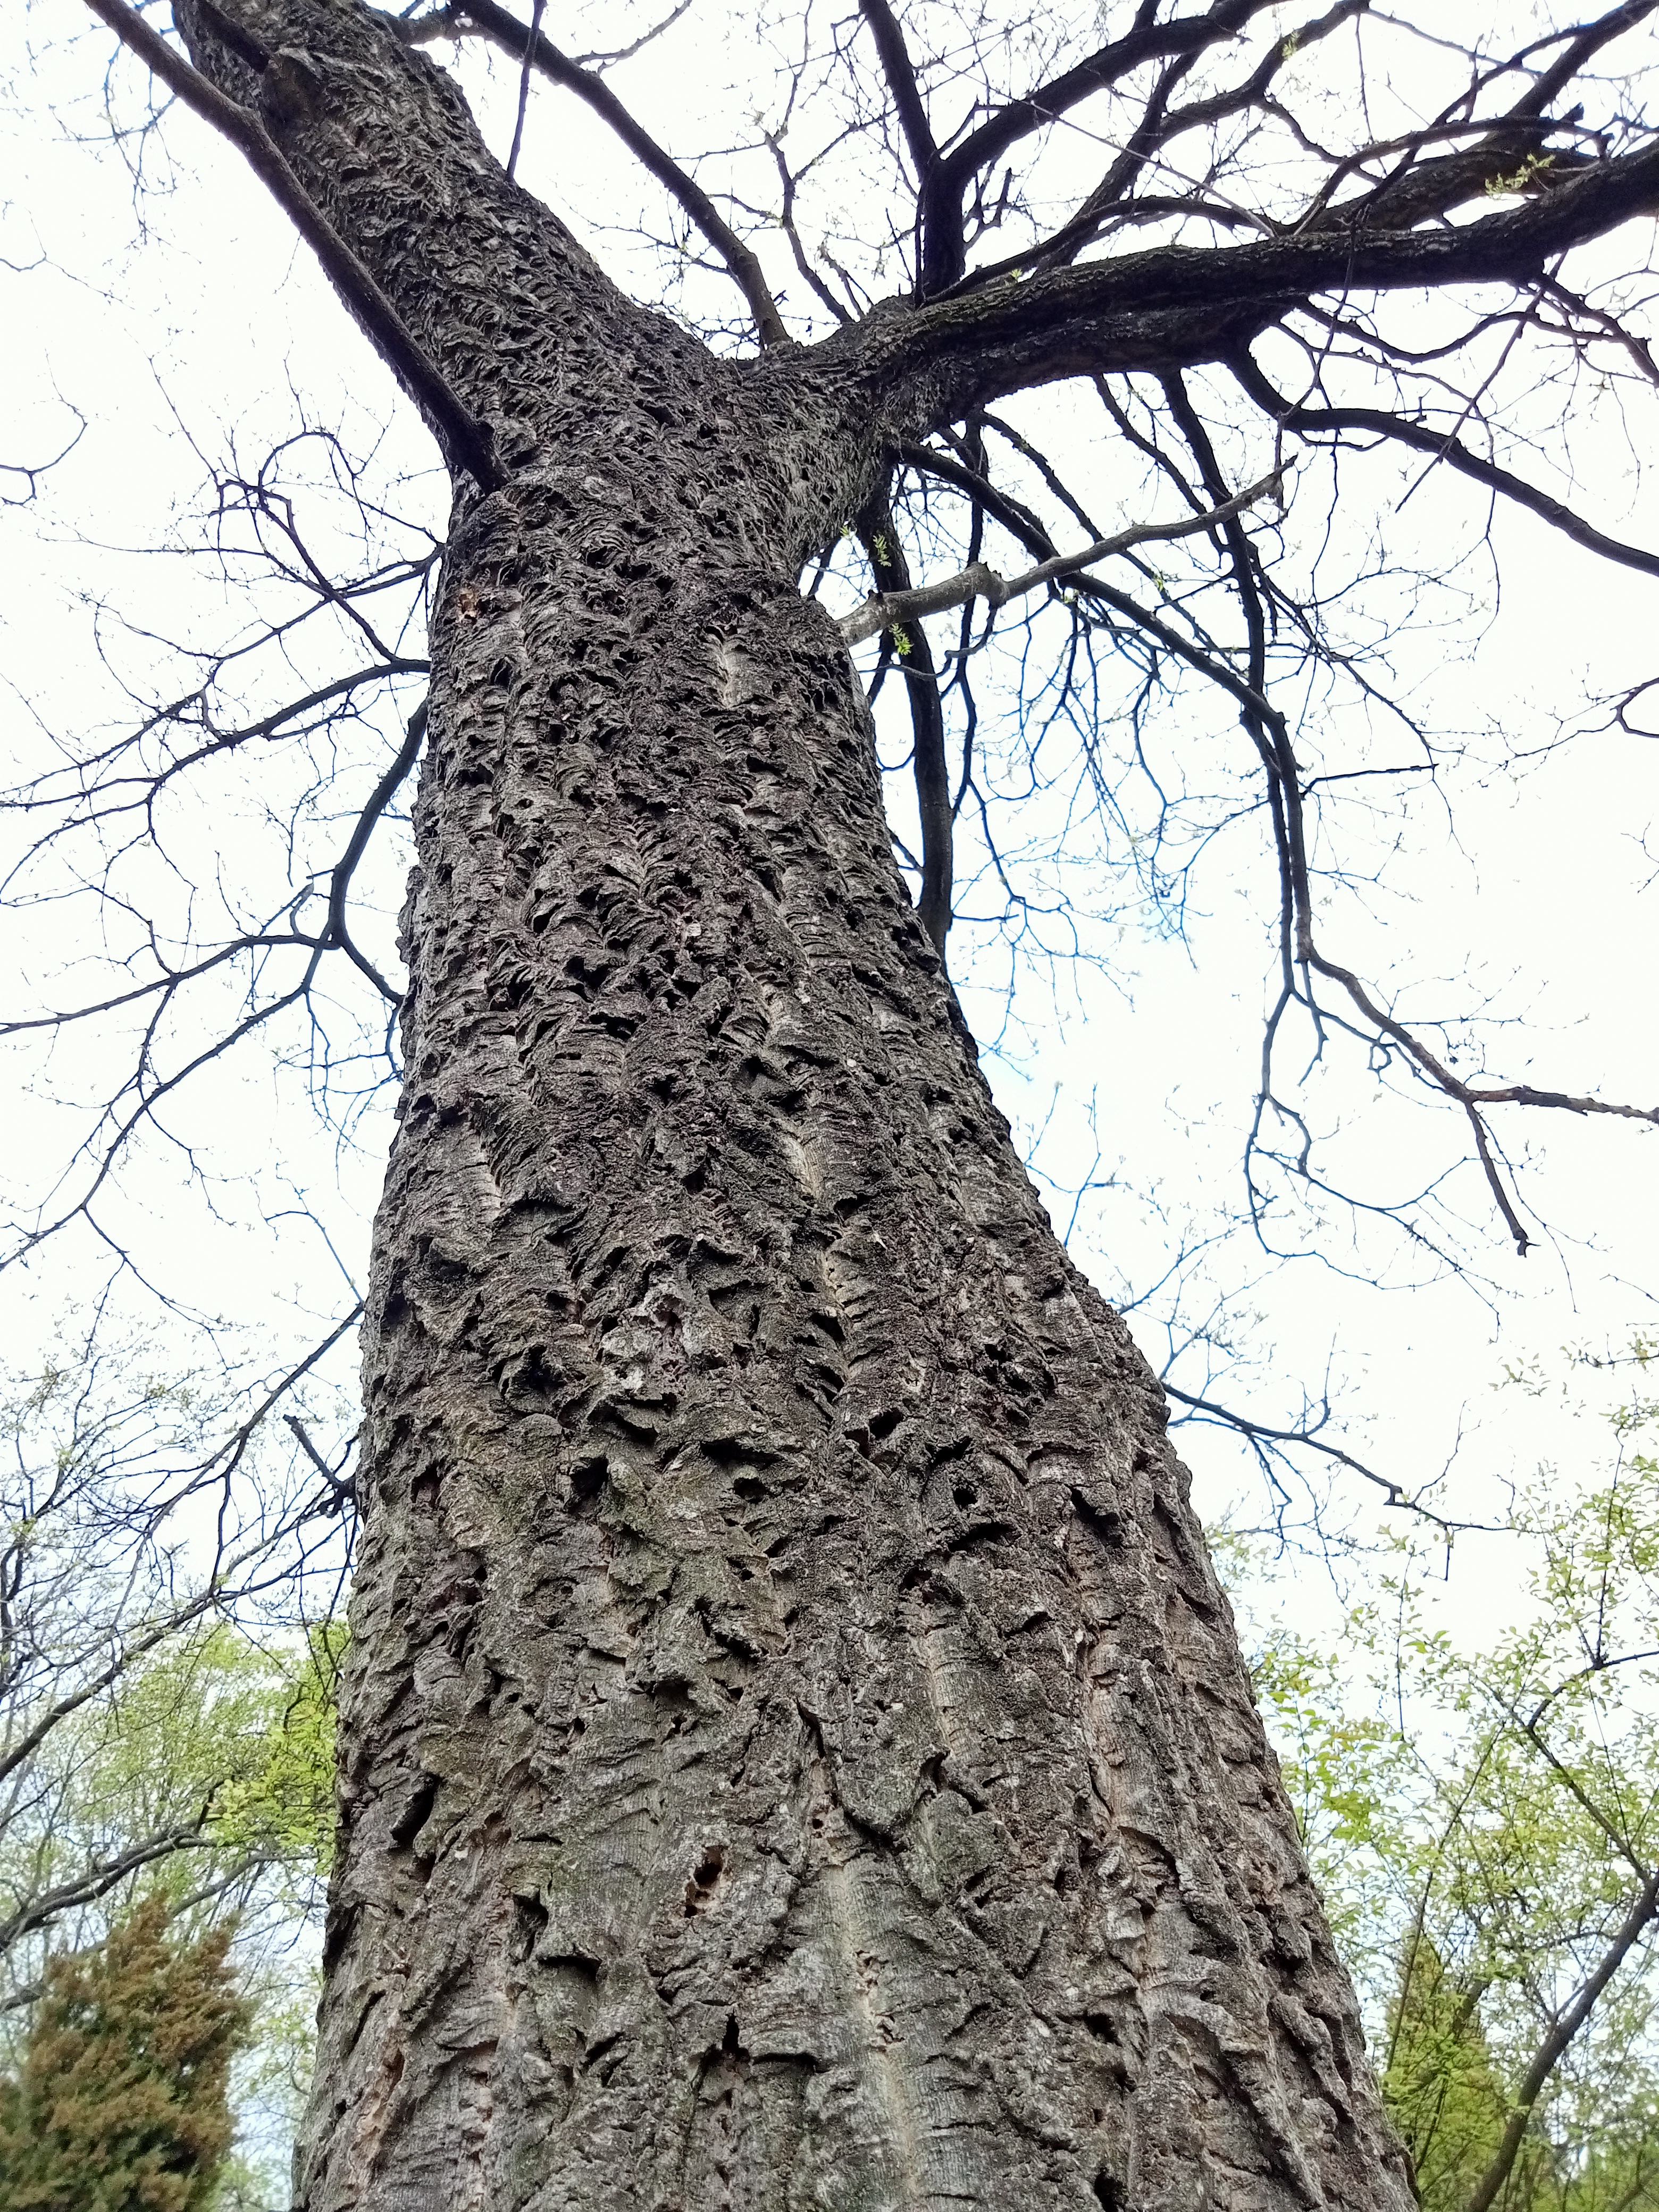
(796, 1752)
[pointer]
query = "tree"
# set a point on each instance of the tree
(1441, 2090)
(166, 1712)
(794, 1748)
(1480, 1810)
(145, 1736)
(120, 2104)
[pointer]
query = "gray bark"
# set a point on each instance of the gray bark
(795, 1752)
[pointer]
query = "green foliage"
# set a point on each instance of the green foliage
(243, 1730)
(1534, 166)
(1442, 2087)
(223, 1744)
(163, 1750)
(231, 1744)
(1482, 1814)
(121, 2102)
(277, 1797)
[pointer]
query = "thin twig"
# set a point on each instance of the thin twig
(536, 14)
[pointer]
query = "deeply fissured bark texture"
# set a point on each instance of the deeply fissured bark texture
(797, 1751)
(795, 1754)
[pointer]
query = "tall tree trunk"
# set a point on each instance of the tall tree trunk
(795, 1751)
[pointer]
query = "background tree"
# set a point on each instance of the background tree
(1479, 1809)
(166, 1708)
(794, 1743)
(164, 1705)
(120, 2103)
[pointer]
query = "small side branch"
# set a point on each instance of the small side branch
(534, 47)
(30, 473)
(342, 1489)
(467, 439)
(96, 1881)
(892, 610)
(385, 791)
(888, 565)
(1263, 1437)
(1441, 445)
(1473, 1098)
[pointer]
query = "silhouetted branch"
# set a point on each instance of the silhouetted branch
(467, 439)
(930, 770)
(357, 845)
(900, 76)
(1442, 446)
(1149, 41)
(1303, 1439)
(504, 29)
(1172, 306)
(32, 472)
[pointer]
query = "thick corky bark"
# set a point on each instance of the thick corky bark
(796, 1753)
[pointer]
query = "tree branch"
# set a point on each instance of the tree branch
(1444, 448)
(1158, 127)
(357, 845)
(1172, 306)
(341, 1489)
(944, 257)
(892, 610)
(504, 30)
(934, 212)
(1415, 192)
(467, 441)
(929, 768)
(96, 1881)
(1253, 1430)
(1549, 2053)
(1021, 524)
(1273, 743)
(900, 73)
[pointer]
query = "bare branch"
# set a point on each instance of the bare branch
(524, 85)
(880, 540)
(1174, 306)
(899, 71)
(1159, 127)
(1422, 439)
(504, 30)
(894, 609)
(941, 214)
(32, 472)
(340, 1491)
(96, 1880)
(464, 438)
(357, 845)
